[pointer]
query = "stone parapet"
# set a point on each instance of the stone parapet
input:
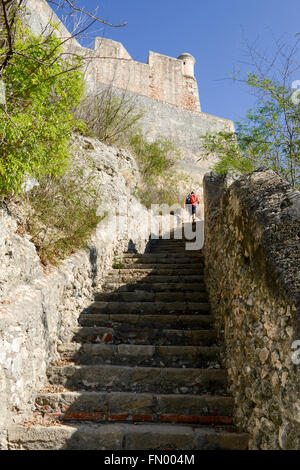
(252, 274)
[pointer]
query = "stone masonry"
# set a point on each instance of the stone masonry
(164, 88)
(252, 256)
(163, 78)
(98, 344)
(140, 370)
(38, 306)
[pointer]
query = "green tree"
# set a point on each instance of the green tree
(269, 135)
(37, 119)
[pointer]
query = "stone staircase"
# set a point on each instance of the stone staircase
(142, 370)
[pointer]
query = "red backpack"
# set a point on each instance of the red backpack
(193, 199)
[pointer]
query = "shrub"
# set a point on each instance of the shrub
(62, 213)
(160, 179)
(110, 117)
(153, 158)
(37, 120)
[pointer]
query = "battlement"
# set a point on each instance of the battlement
(164, 88)
(164, 78)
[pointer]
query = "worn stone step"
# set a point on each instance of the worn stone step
(140, 269)
(164, 255)
(146, 296)
(187, 254)
(145, 277)
(173, 244)
(135, 407)
(139, 264)
(141, 355)
(151, 336)
(148, 307)
(185, 261)
(168, 241)
(117, 436)
(175, 251)
(138, 379)
(167, 244)
(162, 241)
(153, 287)
(147, 320)
(176, 243)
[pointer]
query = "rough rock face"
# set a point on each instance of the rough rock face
(252, 253)
(37, 308)
(114, 171)
(19, 261)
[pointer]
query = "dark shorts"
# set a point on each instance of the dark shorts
(194, 209)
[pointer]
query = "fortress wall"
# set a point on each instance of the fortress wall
(182, 126)
(164, 87)
(252, 255)
(189, 97)
(123, 74)
(166, 78)
(110, 48)
(38, 15)
(162, 78)
(39, 308)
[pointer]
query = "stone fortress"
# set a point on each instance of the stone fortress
(250, 271)
(163, 78)
(165, 89)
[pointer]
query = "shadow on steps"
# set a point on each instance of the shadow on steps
(142, 370)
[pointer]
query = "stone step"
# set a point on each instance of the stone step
(141, 355)
(145, 277)
(133, 407)
(147, 336)
(153, 287)
(185, 261)
(174, 251)
(162, 241)
(179, 248)
(168, 241)
(139, 264)
(175, 244)
(146, 296)
(148, 307)
(165, 380)
(147, 320)
(141, 270)
(117, 436)
(163, 256)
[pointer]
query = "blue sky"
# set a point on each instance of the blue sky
(212, 31)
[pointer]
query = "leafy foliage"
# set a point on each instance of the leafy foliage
(153, 158)
(37, 120)
(160, 178)
(269, 135)
(62, 214)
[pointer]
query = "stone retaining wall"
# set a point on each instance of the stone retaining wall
(252, 254)
(39, 308)
(38, 314)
